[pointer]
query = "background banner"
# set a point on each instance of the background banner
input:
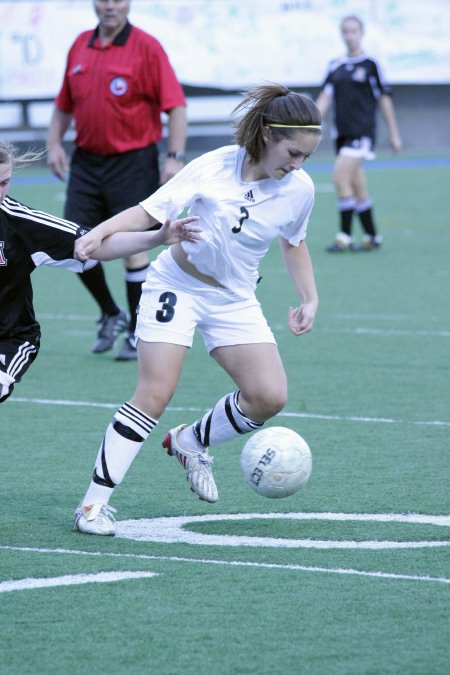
(230, 44)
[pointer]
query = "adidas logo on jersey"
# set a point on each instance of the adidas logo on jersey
(249, 196)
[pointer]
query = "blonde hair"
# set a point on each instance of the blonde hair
(273, 104)
(9, 154)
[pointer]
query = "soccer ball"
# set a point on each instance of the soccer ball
(276, 462)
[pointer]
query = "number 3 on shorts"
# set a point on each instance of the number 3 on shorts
(168, 301)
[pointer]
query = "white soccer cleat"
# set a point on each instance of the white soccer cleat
(342, 242)
(95, 519)
(196, 464)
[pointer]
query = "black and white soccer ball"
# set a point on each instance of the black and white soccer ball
(276, 462)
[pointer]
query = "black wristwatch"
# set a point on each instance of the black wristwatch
(179, 156)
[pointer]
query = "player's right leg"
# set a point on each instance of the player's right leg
(343, 174)
(159, 368)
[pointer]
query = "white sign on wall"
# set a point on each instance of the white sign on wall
(230, 44)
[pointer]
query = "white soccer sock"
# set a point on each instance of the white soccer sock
(122, 441)
(222, 423)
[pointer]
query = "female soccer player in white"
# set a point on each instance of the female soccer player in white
(244, 195)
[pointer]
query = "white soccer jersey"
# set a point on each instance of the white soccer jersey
(238, 219)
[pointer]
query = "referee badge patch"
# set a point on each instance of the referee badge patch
(118, 86)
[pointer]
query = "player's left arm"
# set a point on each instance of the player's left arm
(134, 219)
(299, 266)
(123, 244)
(324, 101)
(388, 112)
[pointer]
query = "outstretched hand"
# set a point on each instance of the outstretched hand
(301, 319)
(123, 243)
(180, 229)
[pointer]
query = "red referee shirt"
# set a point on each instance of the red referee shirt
(117, 92)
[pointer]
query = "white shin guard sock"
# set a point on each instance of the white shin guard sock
(222, 423)
(123, 439)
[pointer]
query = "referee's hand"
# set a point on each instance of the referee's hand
(58, 161)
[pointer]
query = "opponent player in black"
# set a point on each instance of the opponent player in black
(30, 238)
(355, 86)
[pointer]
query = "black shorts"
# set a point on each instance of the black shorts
(102, 186)
(16, 356)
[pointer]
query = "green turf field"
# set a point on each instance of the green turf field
(350, 575)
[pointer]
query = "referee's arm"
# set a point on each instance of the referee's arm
(57, 159)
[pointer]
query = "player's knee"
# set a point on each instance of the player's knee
(277, 403)
(267, 404)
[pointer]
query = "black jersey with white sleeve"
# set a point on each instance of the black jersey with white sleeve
(355, 84)
(30, 238)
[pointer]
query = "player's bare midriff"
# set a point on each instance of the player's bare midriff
(180, 257)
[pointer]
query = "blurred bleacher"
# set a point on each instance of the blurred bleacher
(422, 111)
(25, 122)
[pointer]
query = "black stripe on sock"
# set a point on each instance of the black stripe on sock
(230, 415)
(138, 417)
(205, 440)
(126, 432)
(106, 481)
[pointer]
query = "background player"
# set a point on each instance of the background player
(117, 82)
(355, 86)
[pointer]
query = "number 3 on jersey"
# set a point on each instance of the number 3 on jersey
(245, 215)
(168, 301)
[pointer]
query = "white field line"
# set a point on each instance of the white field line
(389, 332)
(175, 530)
(196, 409)
(358, 330)
(32, 583)
(233, 563)
(51, 316)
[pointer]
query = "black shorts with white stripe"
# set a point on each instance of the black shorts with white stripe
(16, 356)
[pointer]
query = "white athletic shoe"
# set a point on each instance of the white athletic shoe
(342, 242)
(196, 464)
(95, 519)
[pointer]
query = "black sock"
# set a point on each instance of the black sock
(346, 221)
(366, 217)
(94, 280)
(346, 206)
(134, 280)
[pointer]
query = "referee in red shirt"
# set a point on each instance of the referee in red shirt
(118, 80)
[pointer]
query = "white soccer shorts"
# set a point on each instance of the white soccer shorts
(361, 148)
(173, 304)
